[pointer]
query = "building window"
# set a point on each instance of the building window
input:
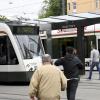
(68, 6)
(74, 5)
(97, 3)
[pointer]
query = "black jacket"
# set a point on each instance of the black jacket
(71, 64)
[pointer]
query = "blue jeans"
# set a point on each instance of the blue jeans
(92, 67)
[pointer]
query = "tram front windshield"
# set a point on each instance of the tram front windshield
(29, 45)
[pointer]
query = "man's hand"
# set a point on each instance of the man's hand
(32, 98)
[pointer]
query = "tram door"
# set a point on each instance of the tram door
(59, 46)
(99, 45)
(66, 43)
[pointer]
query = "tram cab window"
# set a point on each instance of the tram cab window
(7, 53)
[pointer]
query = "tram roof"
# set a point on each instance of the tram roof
(69, 21)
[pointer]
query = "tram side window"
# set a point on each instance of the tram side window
(3, 56)
(12, 58)
(7, 53)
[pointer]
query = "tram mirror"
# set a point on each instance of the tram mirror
(2, 34)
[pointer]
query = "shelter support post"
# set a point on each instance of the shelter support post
(49, 43)
(81, 46)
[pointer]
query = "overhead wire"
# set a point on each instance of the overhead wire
(29, 4)
(10, 8)
(35, 3)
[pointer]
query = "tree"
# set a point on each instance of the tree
(51, 8)
(3, 18)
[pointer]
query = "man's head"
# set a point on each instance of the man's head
(69, 50)
(46, 58)
(93, 47)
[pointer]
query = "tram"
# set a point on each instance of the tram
(68, 37)
(20, 51)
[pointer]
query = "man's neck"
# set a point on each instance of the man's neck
(46, 63)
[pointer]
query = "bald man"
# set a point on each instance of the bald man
(47, 81)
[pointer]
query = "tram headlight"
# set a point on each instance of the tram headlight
(31, 66)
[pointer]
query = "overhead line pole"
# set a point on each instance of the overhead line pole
(64, 11)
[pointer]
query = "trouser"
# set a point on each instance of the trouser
(92, 67)
(71, 89)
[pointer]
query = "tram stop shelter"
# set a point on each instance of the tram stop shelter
(78, 21)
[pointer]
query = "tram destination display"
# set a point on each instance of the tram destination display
(25, 30)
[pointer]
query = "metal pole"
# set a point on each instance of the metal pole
(49, 41)
(63, 7)
(81, 45)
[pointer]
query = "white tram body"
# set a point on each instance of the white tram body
(20, 52)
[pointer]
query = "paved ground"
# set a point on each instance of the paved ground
(88, 89)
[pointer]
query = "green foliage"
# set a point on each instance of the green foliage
(51, 8)
(3, 18)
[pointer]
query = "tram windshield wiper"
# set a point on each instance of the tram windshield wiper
(28, 52)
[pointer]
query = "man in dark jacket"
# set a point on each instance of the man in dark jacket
(72, 65)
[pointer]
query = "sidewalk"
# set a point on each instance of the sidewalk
(87, 89)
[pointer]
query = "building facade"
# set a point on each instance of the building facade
(81, 6)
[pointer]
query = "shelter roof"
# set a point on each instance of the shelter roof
(74, 20)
